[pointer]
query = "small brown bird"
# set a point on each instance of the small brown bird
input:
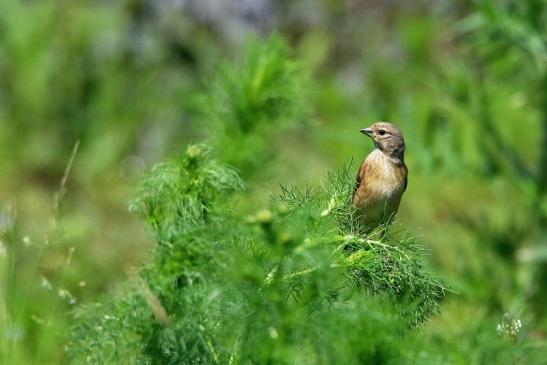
(382, 177)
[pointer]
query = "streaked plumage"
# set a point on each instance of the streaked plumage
(382, 177)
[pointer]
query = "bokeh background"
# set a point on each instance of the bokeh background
(94, 93)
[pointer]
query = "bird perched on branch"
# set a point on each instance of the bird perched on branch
(382, 177)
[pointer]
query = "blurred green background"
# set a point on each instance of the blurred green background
(94, 93)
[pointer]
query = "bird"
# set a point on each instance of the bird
(382, 177)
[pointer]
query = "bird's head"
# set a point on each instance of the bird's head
(387, 138)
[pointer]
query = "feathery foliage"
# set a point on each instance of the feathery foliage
(273, 286)
(278, 284)
(250, 102)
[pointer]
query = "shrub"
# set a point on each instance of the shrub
(293, 280)
(280, 285)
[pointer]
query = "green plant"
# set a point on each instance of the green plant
(250, 103)
(276, 284)
(272, 286)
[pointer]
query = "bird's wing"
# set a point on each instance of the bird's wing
(360, 178)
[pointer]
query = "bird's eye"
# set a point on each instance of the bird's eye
(382, 132)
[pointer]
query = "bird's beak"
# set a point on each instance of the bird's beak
(367, 131)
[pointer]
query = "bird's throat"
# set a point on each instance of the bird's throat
(395, 157)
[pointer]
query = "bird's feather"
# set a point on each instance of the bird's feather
(379, 186)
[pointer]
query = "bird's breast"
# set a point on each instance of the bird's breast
(382, 182)
(384, 178)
